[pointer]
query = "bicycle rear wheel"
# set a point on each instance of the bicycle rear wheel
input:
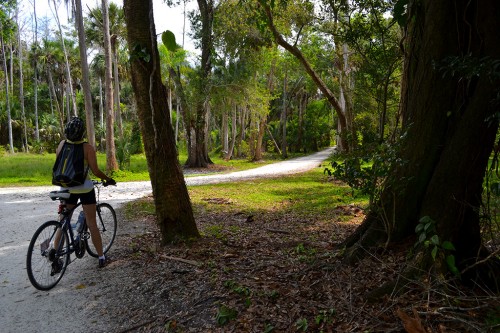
(106, 223)
(46, 264)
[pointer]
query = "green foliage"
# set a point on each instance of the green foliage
(302, 325)
(427, 237)
(325, 317)
(365, 169)
(237, 288)
(225, 314)
(125, 147)
(268, 328)
(400, 12)
(315, 129)
(140, 53)
(243, 291)
(168, 39)
(305, 253)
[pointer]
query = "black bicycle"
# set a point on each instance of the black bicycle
(54, 241)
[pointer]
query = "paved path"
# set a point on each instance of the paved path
(67, 307)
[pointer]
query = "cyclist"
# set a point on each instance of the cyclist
(75, 132)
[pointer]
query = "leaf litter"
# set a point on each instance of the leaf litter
(271, 272)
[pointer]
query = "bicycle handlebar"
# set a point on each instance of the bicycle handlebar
(104, 183)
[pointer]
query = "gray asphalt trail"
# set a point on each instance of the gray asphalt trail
(69, 307)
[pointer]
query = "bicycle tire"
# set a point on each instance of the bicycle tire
(38, 264)
(106, 222)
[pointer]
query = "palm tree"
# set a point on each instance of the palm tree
(111, 162)
(95, 36)
(85, 72)
(6, 29)
(52, 63)
(68, 68)
(35, 67)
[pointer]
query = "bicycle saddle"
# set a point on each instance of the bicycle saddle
(57, 195)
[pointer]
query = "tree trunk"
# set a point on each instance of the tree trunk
(89, 113)
(450, 130)
(283, 119)
(199, 157)
(260, 138)
(303, 100)
(21, 82)
(116, 79)
(263, 120)
(345, 101)
(225, 134)
(56, 101)
(101, 105)
(234, 131)
(7, 99)
(35, 70)
(178, 116)
(187, 116)
(312, 74)
(111, 162)
(173, 207)
(68, 68)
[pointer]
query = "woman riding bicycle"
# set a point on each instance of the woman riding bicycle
(75, 131)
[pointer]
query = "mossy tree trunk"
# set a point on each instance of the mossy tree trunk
(173, 206)
(450, 128)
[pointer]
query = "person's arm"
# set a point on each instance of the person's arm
(61, 144)
(91, 158)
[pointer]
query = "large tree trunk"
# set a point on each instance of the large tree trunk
(450, 130)
(173, 206)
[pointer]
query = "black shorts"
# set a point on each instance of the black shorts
(85, 198)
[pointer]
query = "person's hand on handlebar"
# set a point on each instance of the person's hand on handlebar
(110, 181)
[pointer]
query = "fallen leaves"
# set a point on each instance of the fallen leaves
(411, 324)
(277, 274)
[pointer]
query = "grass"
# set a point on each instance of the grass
(308, 195)
(22, 169)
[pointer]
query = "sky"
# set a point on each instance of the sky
(165, 18)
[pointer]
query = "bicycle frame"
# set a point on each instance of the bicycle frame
(50, 248)
(65, 215)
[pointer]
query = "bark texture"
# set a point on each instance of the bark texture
(449, 129)
(173, 206)
(111, 162)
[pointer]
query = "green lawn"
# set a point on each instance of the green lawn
(23, 169)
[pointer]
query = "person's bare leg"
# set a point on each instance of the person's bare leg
(90, 216)
(57, 239)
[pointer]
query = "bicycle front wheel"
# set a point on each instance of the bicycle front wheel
(48, 255)
(106, 223)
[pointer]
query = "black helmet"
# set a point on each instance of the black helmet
(75, 129)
